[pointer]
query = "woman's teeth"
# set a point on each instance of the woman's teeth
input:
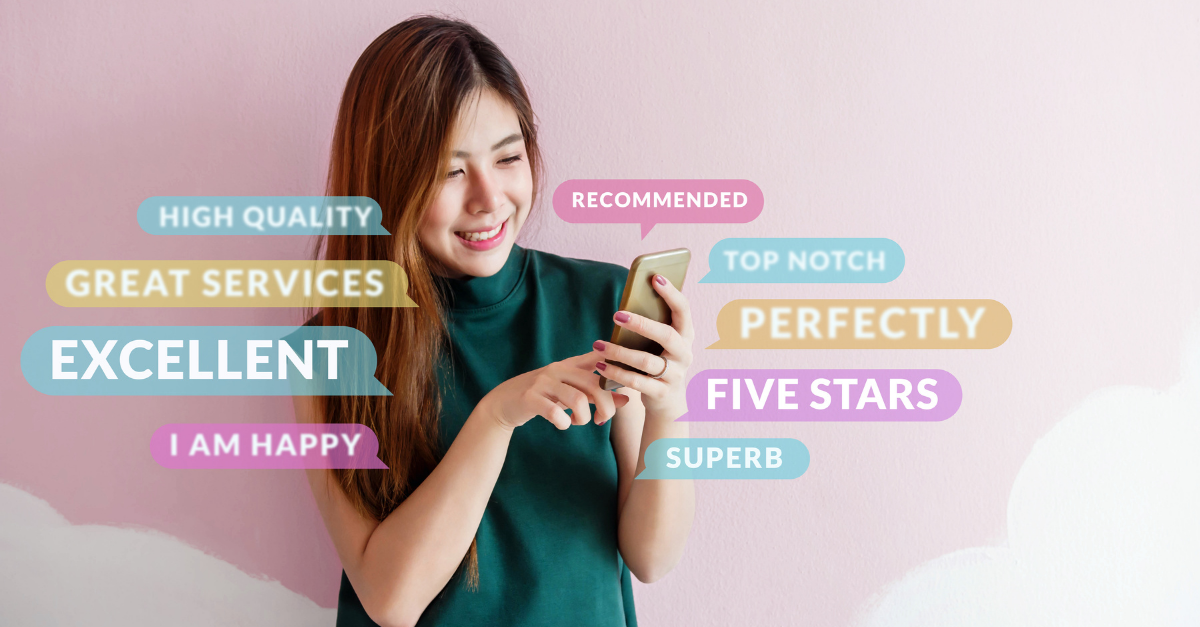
(480, 236)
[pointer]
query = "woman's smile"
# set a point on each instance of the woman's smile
(486, 193)
(484, 239)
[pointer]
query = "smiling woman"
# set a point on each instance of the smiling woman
(507, 500)
(492, 179)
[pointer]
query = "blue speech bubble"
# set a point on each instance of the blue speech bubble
(201, 361)
(725, 458)
(261, 215)
(804, 260)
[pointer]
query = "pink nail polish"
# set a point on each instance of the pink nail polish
(660, 279)
(601, 366)
(598, 346)
(621, 316)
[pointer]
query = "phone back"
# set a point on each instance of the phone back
(640, 298)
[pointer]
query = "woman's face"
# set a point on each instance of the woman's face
(472, 224)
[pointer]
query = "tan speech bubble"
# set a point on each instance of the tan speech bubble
(228, 283)
(859, 323)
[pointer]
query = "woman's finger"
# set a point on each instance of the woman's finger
(575, 399)
(637, 381)
(550, 410)
(665, 335)
(641, 360)
(619, 400)
(589, 384)
(583, 362)
(681, 311)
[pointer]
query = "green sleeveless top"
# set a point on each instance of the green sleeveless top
(547, 543)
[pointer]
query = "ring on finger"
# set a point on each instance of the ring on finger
(666, 364)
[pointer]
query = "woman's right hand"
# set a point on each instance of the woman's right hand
(548, 391)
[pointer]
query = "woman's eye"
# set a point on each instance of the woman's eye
(512, 159)
(453, 173)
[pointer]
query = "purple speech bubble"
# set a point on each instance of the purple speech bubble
(822, 395)
(256, 446)
(652, 201)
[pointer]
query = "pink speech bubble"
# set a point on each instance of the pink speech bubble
(255, 446)
(771, 395)
(653, 201)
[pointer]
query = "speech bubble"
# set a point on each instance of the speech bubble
(657, 201)
(773, 395)
(804, 260)
(261, 215)
(725, 458)
(201, 361)
(265, 446)
(863, 323)
(228, 283)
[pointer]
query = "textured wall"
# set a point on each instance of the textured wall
(1043, 154)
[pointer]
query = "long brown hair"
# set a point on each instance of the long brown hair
(391, 143)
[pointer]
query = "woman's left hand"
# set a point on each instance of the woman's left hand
(663, 396)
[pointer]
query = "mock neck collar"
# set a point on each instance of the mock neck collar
(484, 291)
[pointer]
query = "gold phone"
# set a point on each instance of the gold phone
(640, 298)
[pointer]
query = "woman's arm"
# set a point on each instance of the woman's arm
(654, 515)
(397, 566)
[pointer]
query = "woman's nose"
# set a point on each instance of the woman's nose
(485, 195)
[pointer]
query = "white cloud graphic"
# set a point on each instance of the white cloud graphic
(1103, 526)
(56, 573)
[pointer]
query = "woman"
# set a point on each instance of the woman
(498, 507)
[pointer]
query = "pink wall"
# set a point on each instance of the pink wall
(1040, 154)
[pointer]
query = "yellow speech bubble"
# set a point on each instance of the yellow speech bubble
(227, 283)
(851, 323)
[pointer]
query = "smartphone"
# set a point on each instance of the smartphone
(640, 298)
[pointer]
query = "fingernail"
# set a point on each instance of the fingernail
(601, 366)
(660, 279)
(622, 316)
(598, 346)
